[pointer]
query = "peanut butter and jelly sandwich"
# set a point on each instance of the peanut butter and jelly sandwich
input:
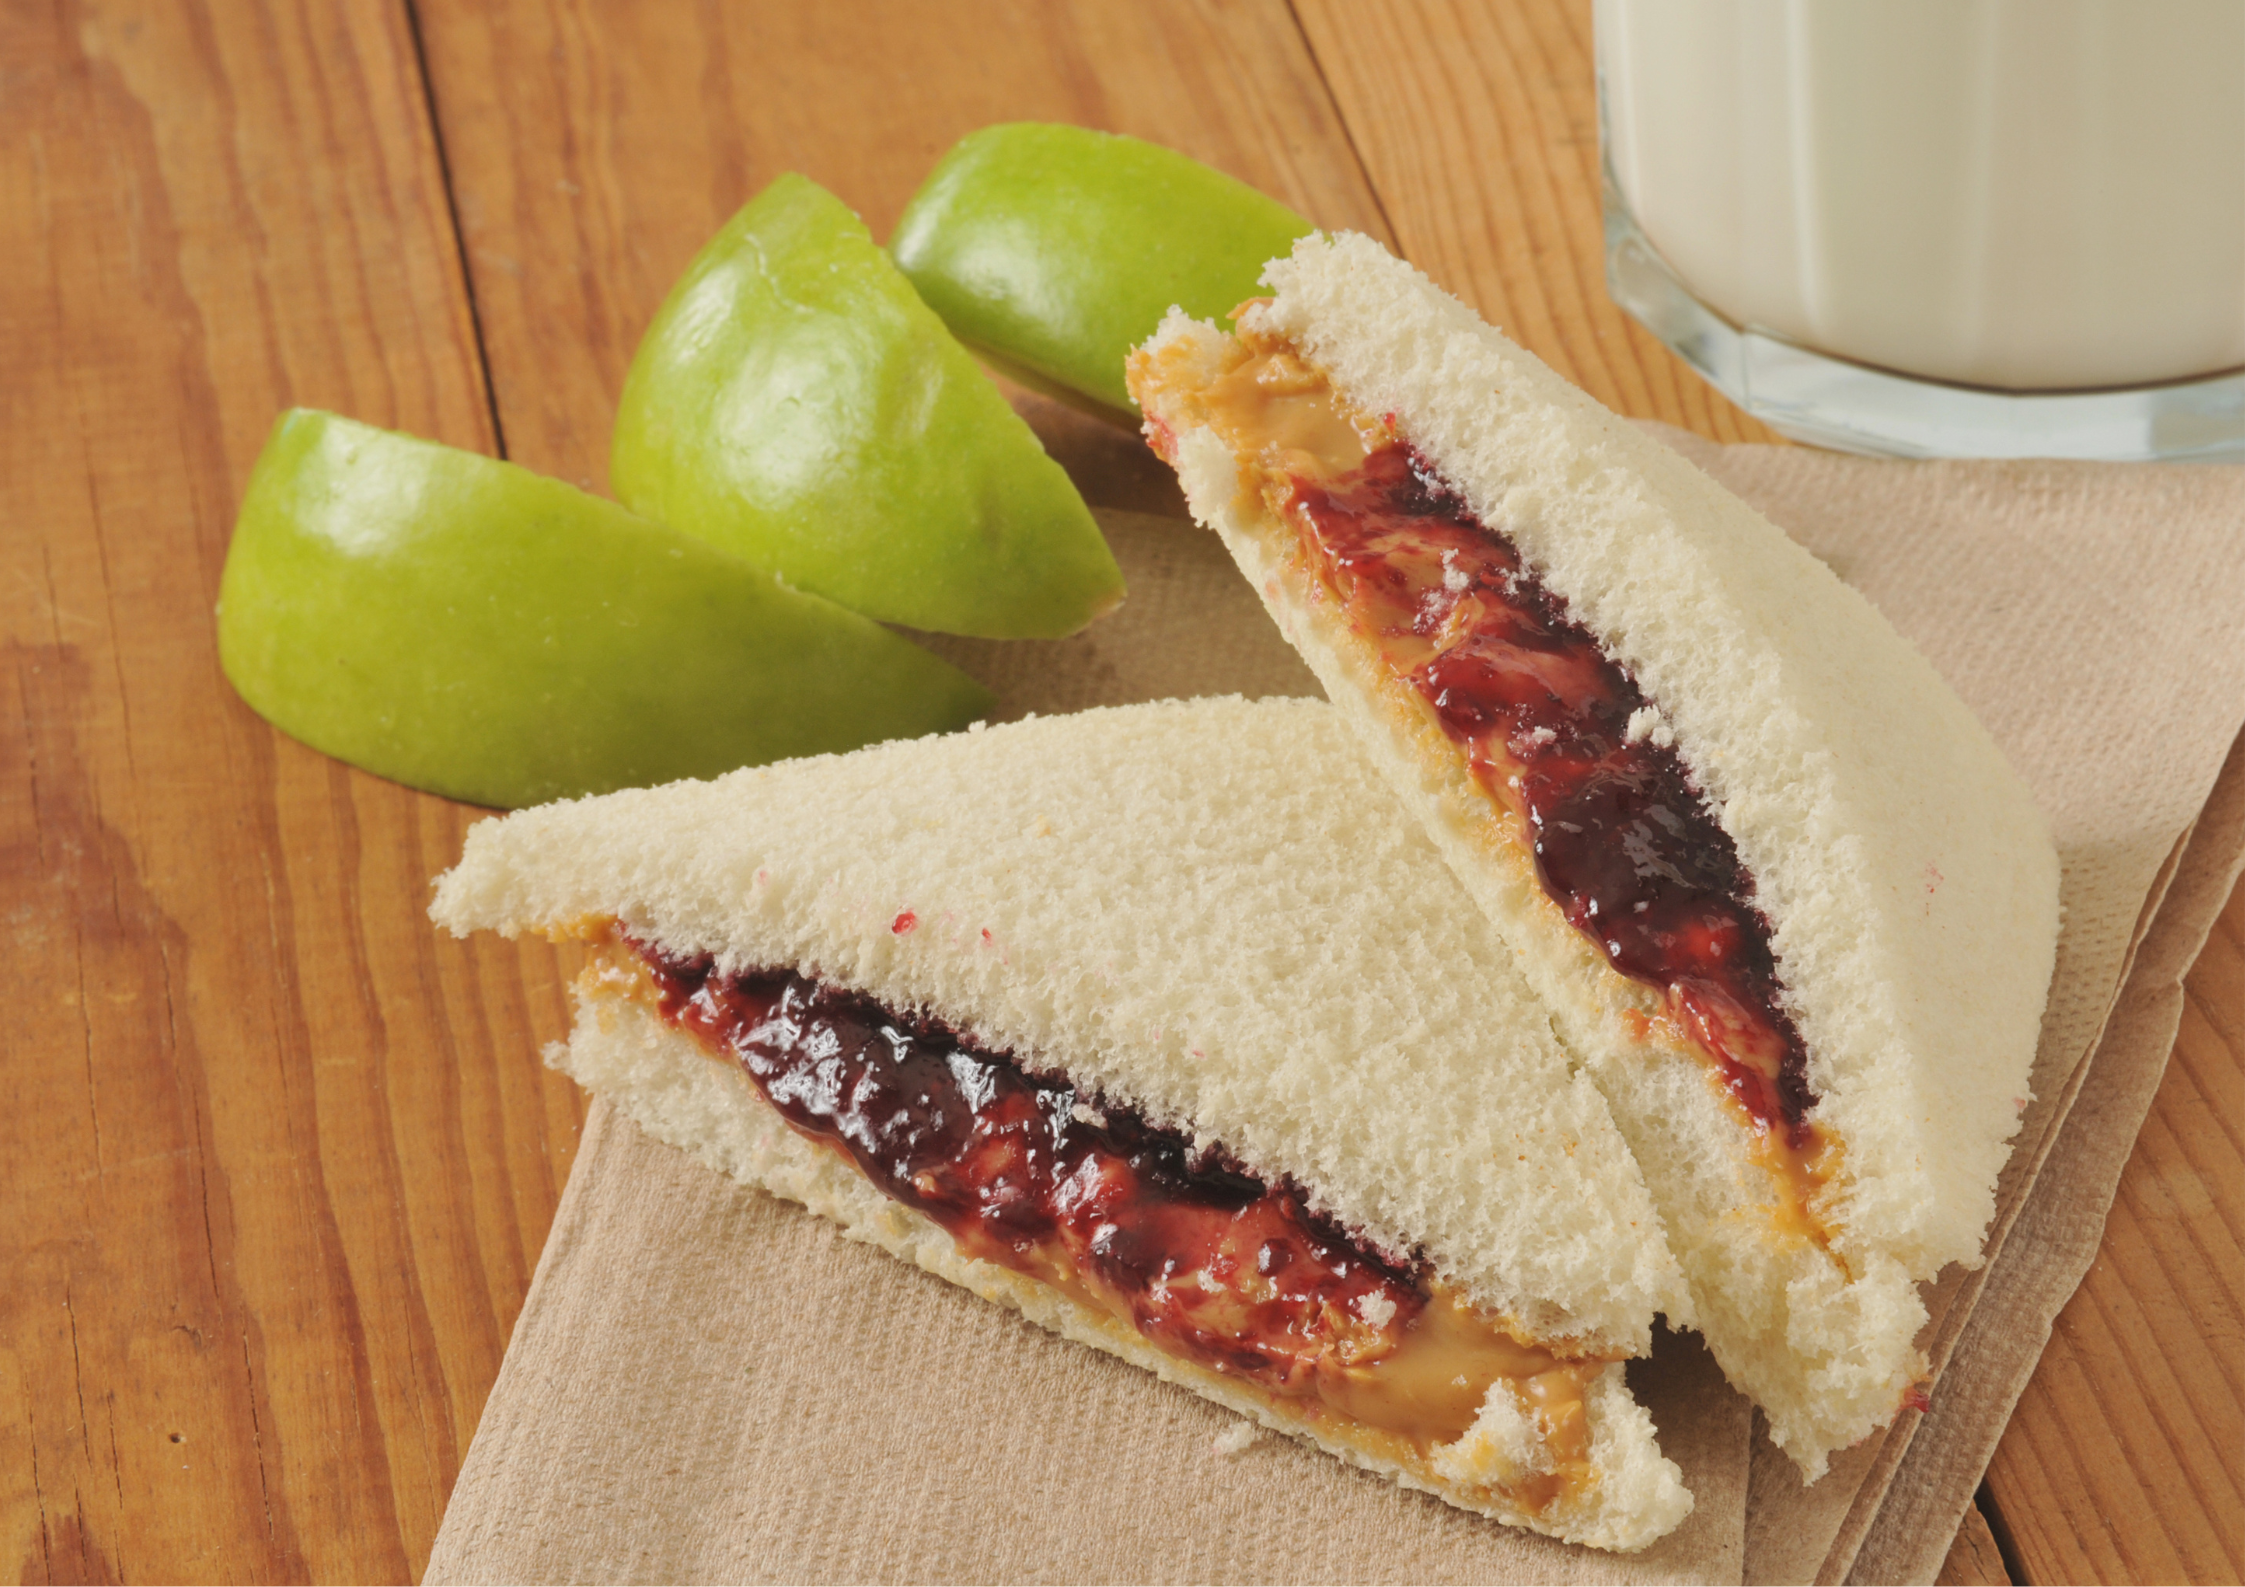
(1157, 1024)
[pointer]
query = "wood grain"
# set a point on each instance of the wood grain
(596, 148)
(274, 1191)
(2125, 1458)
(1974, 1560)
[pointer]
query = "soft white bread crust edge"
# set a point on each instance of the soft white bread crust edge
(1205, 909)
(665, 1084)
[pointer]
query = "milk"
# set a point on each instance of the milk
(2021, 194)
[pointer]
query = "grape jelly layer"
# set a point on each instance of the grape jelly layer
(1624, 842)
(1206, 1263)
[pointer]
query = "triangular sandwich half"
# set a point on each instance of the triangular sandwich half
(1157, 1024)
(1782, 892)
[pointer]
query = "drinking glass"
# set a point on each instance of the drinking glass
(1925, 228)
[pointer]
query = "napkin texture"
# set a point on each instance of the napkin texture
(706, 1383)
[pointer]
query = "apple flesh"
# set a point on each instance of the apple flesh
(1052, 251)
(470, 628)
(796, 404)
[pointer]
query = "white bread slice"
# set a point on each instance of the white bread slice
(1206, 910)
(1910, 881)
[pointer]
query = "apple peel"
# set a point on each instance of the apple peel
(476, 630)
(1054, 250)
(795, 403)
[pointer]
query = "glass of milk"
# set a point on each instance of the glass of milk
(1993, 228)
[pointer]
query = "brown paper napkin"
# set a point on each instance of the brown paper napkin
(709, 1384)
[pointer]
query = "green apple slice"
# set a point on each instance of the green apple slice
(1053, 251)
(471, 628)
(796, 403)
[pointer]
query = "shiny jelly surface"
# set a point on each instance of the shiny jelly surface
(1206, 1262)
(1624, 843)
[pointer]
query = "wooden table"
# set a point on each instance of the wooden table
(280, 1160)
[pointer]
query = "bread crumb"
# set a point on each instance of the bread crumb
(1236, 1440)
(1647, 722)
(1376, 1307)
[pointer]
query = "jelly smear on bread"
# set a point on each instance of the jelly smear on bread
(1207, 1263)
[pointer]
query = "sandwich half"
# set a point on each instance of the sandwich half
(1783, 894)
(1157, 1025)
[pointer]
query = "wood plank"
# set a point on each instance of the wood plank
(1974, 1560)
(596, 148)
(1514, 227)
(2123, 1459)
(274, 1189)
